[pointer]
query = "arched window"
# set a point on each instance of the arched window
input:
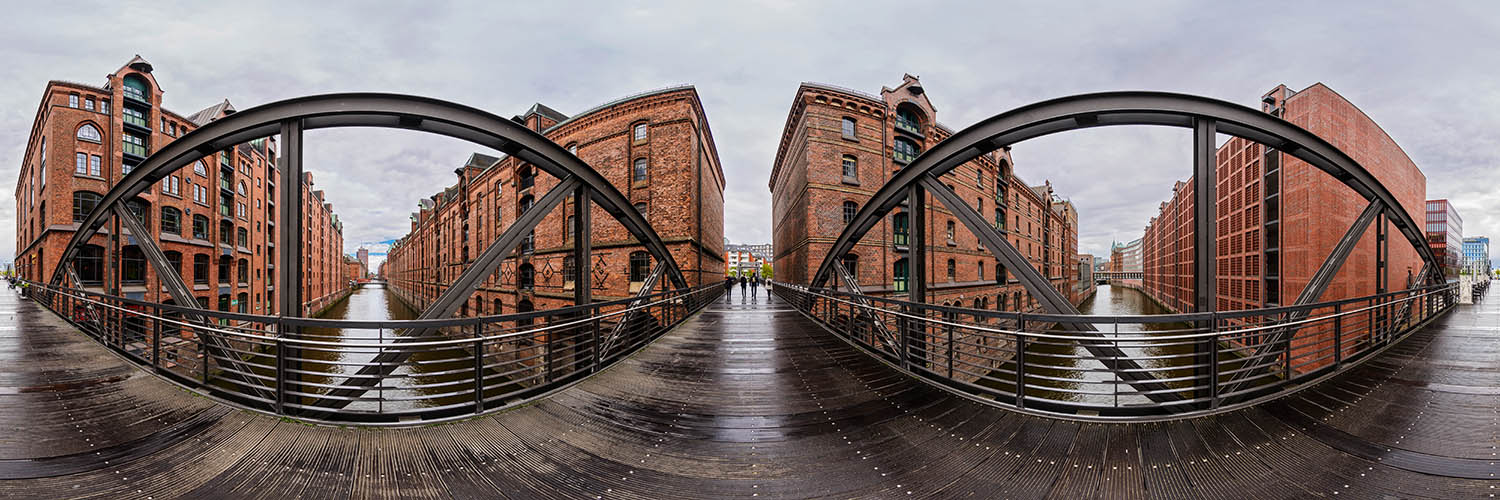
(851, 264)
(497, 307)
(88, 132)
(83, 203)
(570, 267)
(951, 229)
(906, 150)
(638, 172)
(573, 148)
(242, 188)
(175, 259)
(850, 209)
(225, 264)
(527, 175)
(524, 306)
(137, 88)
(200, 227)
(200, 169)
(909, 119)
(89, 264)
(132, 265)
(900, 231)
(999, 272)
(526, 202)
(641, 207)
(1017, 298)
(851, 169)
(952, 270)
(980, 268)
(847, 128)
(899, 274)
(525, 277)
(141, 209)
(226, 232)
(200, 268)
(243, 271)
(242, 302)
(640, 266)
(171, 221)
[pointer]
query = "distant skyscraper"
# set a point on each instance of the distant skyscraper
(363, 254)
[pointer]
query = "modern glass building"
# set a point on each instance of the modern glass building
(1445, 234)
(1477, 253)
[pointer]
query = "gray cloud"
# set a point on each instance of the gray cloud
(1427, 73)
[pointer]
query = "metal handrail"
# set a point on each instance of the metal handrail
(1028, 362)
(481, 364)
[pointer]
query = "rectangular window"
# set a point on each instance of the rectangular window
(133, 145)
(94, 167)
(88, 104)
(73, 100)
(640, 132)
(80, 166)
(848, 128)
(104, 106)
(134, 117)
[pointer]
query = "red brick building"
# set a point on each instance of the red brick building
(1279, 217)
(215, 219)
(840, 145)
(656, 148)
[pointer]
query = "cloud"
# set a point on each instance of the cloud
(1427, 74)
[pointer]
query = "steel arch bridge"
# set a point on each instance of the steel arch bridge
(1206, 117)
(289, 119)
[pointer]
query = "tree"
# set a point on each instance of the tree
(766, 271)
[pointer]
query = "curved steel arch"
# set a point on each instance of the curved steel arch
(1123, 108)
(291, 117)
(375, 110)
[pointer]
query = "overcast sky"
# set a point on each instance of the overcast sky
(1429, 73)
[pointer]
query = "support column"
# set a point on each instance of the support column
(1205, 246)
(289, 245)
(916, 269)
(583, 246)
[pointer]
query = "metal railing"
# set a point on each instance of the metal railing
(478, 365)
(1208, 362)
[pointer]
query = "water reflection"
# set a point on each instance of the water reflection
(1065, 371)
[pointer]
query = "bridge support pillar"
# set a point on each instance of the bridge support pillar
(289, 253)
(1205, 252)
(915, 338)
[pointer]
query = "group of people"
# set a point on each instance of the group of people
(753, 281)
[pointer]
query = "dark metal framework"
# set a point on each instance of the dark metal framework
(290, 118)
(1206, 117)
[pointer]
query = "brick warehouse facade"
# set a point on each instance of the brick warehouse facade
(655, 147)
(839, 146)
(1278, 217)
(215, 219)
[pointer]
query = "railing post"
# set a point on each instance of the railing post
(478, 368)
(1338, 335)
(280, 375)
(203, 352)
(594, 338)
(950, 344)
(156, 341)
(1213, 369)
(1020, 361)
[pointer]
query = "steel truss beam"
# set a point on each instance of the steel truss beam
(171, 278)
(1112, 109)
(647, 287)
(452, 298)
(1050, 299)
(374, 110)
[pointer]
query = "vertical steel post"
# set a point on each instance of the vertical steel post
(289, 237)
(1338, 335)
(1020, 360)
(478, 368)
(156, 341)
(1213, 372)
(1205, 247)
(280, 375)
(916, 267)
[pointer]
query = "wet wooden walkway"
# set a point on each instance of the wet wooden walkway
(750, 400)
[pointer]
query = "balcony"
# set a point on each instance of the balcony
(903, 157)
(226, 186)
(136, 97)
(909, 126)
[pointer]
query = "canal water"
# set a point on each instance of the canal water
(408, 381)
(1054, 369)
